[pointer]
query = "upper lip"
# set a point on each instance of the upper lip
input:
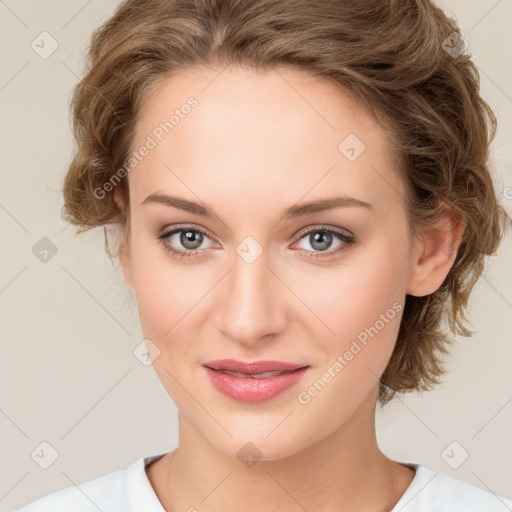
(252, 368)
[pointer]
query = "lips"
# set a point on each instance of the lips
(254, 382)
(256, 369)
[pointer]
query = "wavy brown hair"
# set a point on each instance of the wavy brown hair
(389, 54)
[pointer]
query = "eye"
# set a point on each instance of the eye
(321, 239)
(189, 238)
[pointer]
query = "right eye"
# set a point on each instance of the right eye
(190, 238)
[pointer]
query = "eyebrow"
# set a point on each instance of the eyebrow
(297, 210)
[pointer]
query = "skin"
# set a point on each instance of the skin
(257, 143)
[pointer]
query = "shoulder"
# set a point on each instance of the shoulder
(112, 492)
(104, 491)
(436, 490)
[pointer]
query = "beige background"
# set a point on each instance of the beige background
(68, 375)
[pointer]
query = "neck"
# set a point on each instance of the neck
(344, 471)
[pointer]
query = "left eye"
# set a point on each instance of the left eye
(320, 239)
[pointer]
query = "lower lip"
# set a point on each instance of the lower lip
(248, 389)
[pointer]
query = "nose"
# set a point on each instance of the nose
(252, 305)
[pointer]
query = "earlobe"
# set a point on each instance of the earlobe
(434, 253)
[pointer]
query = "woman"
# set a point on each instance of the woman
(302, 196)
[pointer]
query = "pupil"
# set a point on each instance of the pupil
(191, 237)
(323, 239)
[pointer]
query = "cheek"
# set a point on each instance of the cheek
(353, 296)
(342, 300)
(163, 289)
(360, 307)
(174, 301)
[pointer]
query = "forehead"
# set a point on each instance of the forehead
(277, 134)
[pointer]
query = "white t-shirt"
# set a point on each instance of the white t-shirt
(129, 490)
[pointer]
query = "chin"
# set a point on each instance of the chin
(251, 447)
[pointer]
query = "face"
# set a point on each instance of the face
(250, 274)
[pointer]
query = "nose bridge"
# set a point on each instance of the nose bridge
(250, 307)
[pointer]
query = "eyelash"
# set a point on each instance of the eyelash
(347, 241)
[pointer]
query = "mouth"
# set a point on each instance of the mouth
(253, 382)
(263, 375)
(257, 369)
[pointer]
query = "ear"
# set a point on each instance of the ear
(434, 252)
(124, 249)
